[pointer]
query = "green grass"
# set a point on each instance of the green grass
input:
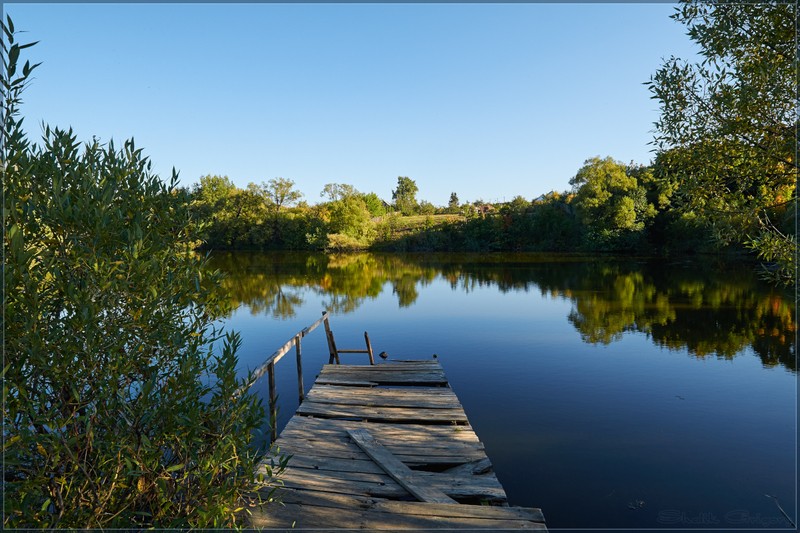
(415, 222)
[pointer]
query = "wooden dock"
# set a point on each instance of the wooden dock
(384, 447)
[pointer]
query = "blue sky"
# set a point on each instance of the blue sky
(486, 100)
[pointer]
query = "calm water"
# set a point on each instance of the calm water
(610, 393)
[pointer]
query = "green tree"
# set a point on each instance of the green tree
(213, 190)
(350, 216)
(405, 195)
(232, 218)
(212, 202)
(117, 413)
(453, 204)
(246, 213)
(338, 191)
(554, 227)
(728, 125)
(279, 193)
(375, 205)
(518, 204)
(609, 200)
(426, 208)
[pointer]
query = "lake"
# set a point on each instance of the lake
(614, 393)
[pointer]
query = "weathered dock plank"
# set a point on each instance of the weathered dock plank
(399, 432)
(386, 374)
(302, 509)
(334, 475)
(380, 413)
(419, 397)
(368, 440)
(417, 458)
(396, 469)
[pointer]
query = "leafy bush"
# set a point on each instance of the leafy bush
(341, 242)
(116, 410)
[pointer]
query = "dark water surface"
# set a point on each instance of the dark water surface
(610, 393)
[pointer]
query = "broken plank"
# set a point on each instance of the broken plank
(396, 469)
(481, 466)
(368, 466)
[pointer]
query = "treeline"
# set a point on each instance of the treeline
(612, 207)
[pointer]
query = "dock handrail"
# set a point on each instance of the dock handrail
(268, 367)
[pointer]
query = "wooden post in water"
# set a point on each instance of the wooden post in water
(297, 349)
(331, 342)
(369, 349)
(273, 404)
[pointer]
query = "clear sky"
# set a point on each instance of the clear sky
(486, 100)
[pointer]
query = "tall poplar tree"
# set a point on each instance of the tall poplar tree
(405, 195)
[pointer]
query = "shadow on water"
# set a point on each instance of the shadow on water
(702, 308)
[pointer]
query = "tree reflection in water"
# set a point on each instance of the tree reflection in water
(701, 308)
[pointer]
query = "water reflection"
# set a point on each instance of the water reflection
(701, 308)
(706, 312)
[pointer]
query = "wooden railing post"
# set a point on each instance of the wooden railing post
(334, 355)
(369, 349)
(300, 391)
